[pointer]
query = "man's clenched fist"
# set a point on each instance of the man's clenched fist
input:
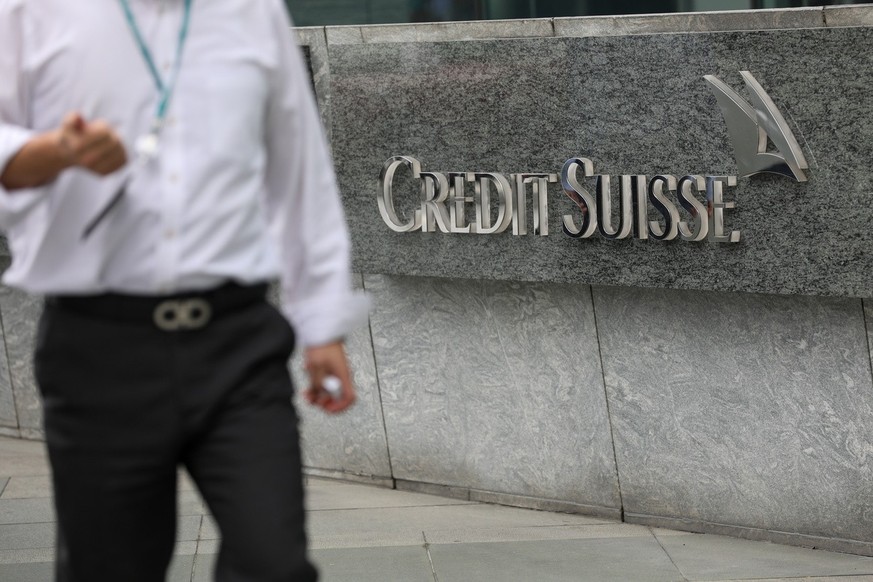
(91, 145)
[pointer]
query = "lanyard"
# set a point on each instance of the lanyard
(147, 146)
(164, 88)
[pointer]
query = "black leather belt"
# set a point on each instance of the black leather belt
(183, 311)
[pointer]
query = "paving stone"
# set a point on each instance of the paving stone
(27, 536)
(28, 556)
(179, 571)
(409, 564)
(599, 560)
(709, 557)
(33, 572)
(26, 510)
(27, 487)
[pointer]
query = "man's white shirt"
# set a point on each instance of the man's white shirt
(242, 187)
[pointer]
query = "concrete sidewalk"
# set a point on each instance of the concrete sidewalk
(363, 534)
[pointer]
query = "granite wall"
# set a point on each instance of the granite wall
(719, 388)
(551, 372)
(515, 98)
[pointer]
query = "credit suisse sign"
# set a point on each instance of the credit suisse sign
(690, 208)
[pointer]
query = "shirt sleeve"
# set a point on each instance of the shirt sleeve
(13, 108)
(303, 201)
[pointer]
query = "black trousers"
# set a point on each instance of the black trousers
(126, 403)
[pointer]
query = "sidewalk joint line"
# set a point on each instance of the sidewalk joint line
(666, 553)
(429, 557)
(381, 507)
(26, 522)
(194, 558)
(5, 485)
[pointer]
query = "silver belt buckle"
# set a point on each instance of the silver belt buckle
(175, 315)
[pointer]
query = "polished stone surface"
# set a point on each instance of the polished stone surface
(741, 409)
(493, 386)
(634, 105)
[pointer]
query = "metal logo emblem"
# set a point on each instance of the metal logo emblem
(751, 125)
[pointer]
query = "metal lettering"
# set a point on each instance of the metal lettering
(714, 194)
(604, 208)
(499, 200)
(695, 208)
(540, 194)
(665, 206)
(457, 212)
(435, 192)
(639, 194)
(581, 197)
(386, 194)
(483, 181)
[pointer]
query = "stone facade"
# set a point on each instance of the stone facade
(721, 388)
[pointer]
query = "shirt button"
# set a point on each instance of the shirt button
(174, 177)
(169, 233)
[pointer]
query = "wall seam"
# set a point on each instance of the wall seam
(325, 90)
(867, 337)
(379, 391)
(606, 398)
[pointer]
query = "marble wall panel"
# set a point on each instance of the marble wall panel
(20, 313)
(494, 386)
(353, 442)
(634, 105)
(8, 413)
(741, 409)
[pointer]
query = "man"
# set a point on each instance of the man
(160, 161)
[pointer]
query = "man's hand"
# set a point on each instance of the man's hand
(92, 145)
(323, 361)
